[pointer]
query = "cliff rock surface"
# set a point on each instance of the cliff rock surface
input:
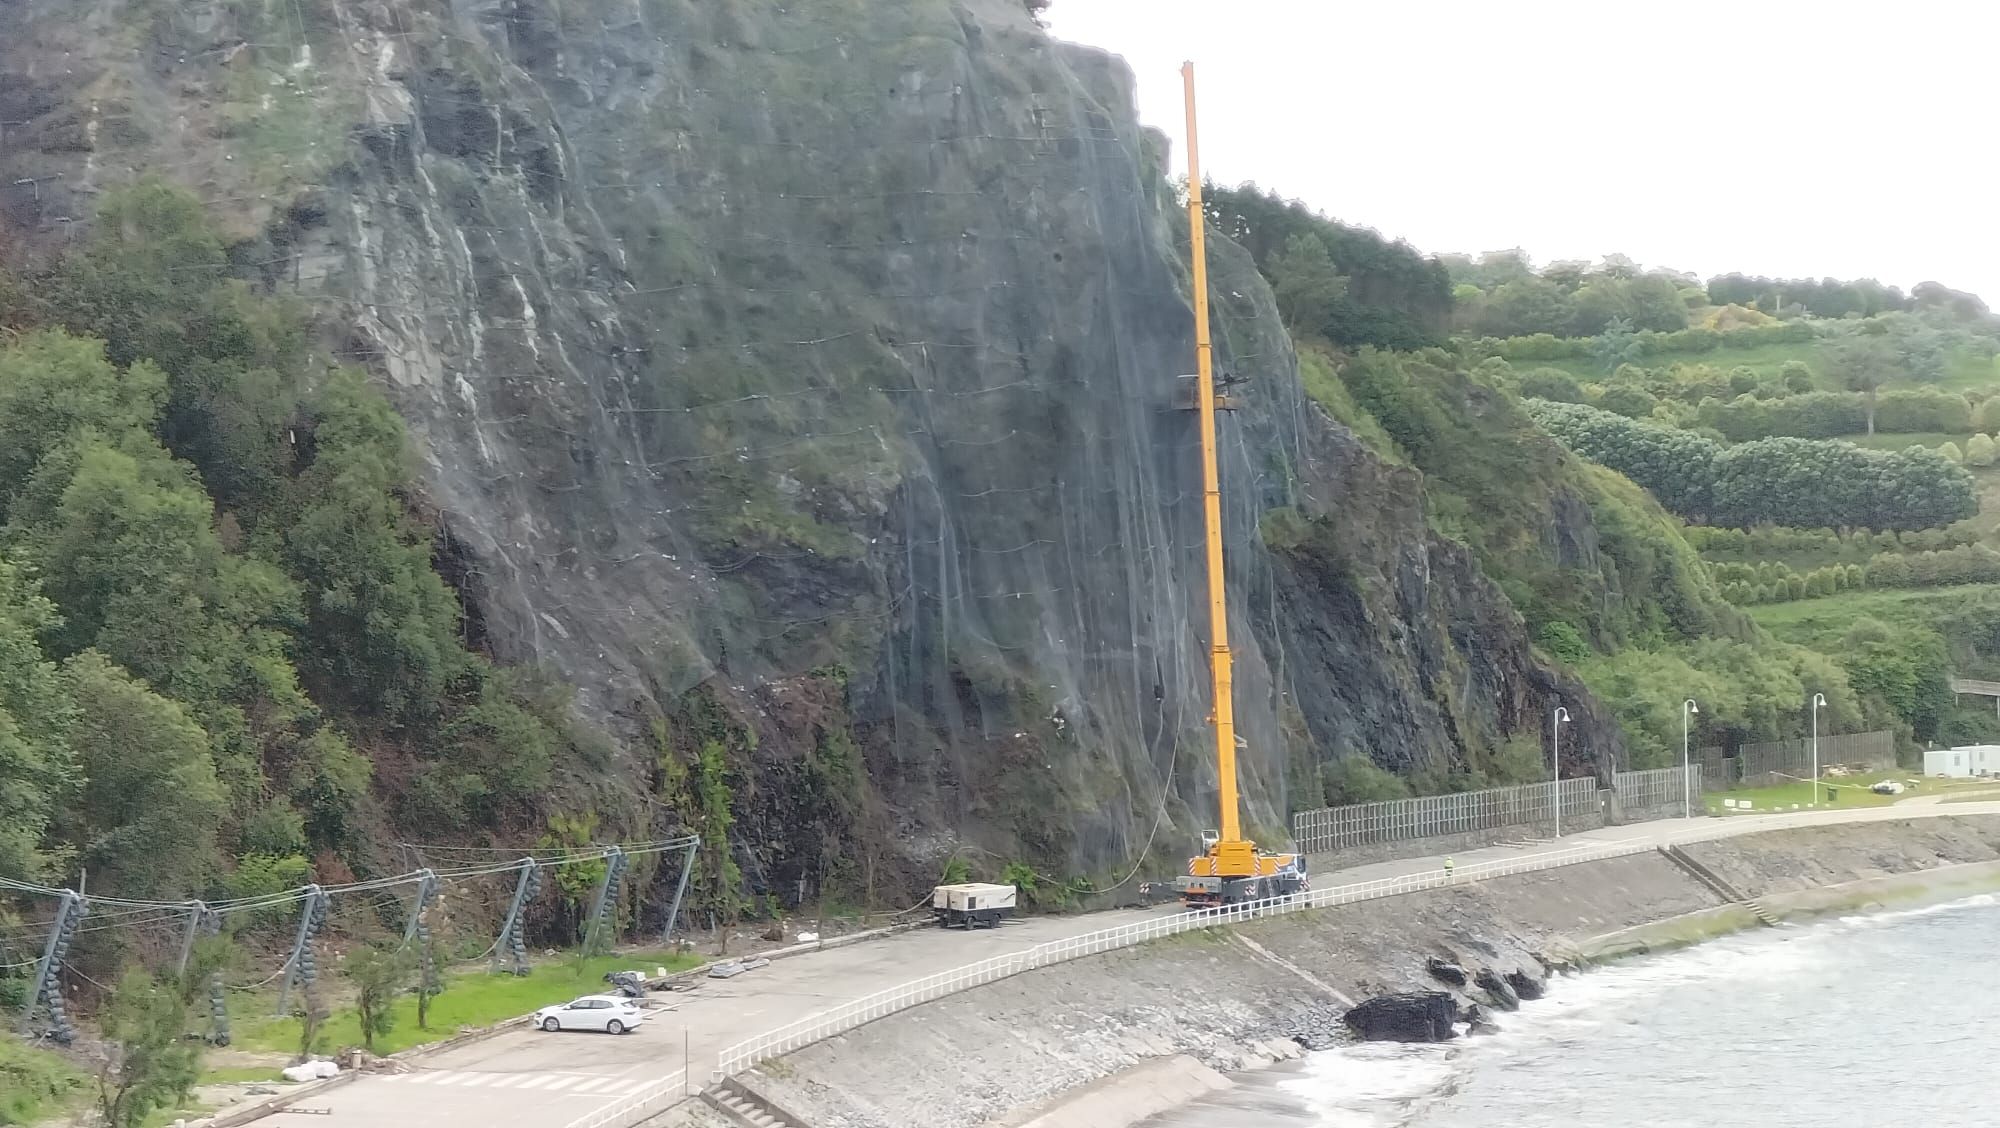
(818, 361)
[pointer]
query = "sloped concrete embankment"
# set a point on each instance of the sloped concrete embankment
(1009, 1053)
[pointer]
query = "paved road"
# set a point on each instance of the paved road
(540, 1080)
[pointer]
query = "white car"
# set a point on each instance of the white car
(609, 1013)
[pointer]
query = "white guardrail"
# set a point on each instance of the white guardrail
(849, 1015)
(637, 1106)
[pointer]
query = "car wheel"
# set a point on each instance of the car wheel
(551, 1025)
(614, 1027)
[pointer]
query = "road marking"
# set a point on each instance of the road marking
(594, 1083)
(562, 1083)
(477, 1079)
(535, 1082)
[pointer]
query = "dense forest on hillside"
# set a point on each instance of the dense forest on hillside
(222, 624)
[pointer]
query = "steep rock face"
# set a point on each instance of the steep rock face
(773, 348)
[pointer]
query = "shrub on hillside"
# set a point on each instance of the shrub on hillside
(1950, 453)
(1789, 480)
(1979, 450)
(1551, 384)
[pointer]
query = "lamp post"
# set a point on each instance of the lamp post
(1556, 780)
(1818, 702)
(1688, 709)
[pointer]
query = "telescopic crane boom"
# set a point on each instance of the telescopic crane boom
(1231, 868)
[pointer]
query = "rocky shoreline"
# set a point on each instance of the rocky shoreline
(1468, 997)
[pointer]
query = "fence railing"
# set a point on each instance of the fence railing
(636, 1106)
(1777, 761)
(847, 1016)
(1642, 794)
(1329, 829)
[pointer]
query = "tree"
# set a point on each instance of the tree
(1797, 378)
(1979, 450)
(37, 769)
(152, 1065)
(1988, 417)
(1356, 778)
(1616, 345)
(1305, 283)
(150, 811)
(52, 386)
(1950, 453)
(1551, 384)
(379, 974)
(383, 627)
(1863, 364)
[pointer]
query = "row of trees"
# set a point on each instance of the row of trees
(1788, 481)
(1547, 346)
(1826, 415)
(1743, 585)
(1857, 545)
(1346, 284)
(1819, 297)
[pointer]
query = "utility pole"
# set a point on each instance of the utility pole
(680, 889)
(47, 991)
(607, 898)
(301, 968)
(512, 940)
(1556, 779)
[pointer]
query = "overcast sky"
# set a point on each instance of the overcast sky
(1772, 138)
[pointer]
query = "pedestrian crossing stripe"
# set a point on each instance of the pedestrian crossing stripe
(567, 1083)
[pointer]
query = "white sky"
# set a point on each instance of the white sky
(1788, 139)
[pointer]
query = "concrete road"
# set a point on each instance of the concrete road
(541, 1080)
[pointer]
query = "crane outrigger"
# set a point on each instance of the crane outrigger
(1230, 869)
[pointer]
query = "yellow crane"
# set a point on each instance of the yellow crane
(1231, 868)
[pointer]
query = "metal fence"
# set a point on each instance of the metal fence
(1780, 761)
(849, 1015)
(637, 1106)
(1655, 792)
(1362, 824)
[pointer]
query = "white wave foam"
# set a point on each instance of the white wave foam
(1890, 916)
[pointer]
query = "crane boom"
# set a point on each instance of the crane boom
(1220, 661)
(1231, 869)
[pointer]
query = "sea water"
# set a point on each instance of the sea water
(1873, 1021)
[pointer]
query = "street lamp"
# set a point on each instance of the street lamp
(1819, 701)
(1688, 708)
(1556, 781)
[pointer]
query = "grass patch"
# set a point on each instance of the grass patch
(1903, 441)
(1810, 620)
(36, 1084)
(1852, 791)
(470, 999)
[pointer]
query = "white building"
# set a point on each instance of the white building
(1970, 762)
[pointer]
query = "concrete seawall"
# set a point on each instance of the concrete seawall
(1016, 1052)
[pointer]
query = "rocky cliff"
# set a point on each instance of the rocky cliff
(810, 371)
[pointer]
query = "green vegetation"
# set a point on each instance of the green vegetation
(471, 999)
(1780, 480)
(155, 1065)
(214, 590)
(1345, 284)
(1848, 791)
(35, 1085)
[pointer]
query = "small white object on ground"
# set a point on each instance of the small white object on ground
(808, 937)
